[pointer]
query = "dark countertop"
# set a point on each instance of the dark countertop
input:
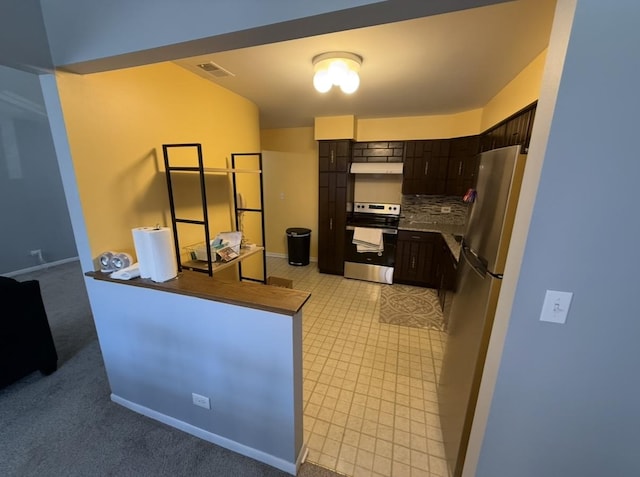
(274, 299)
(448, 232)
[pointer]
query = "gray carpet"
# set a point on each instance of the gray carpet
(405, 305)
(66, 425)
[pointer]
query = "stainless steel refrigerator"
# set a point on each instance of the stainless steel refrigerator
(482, 260)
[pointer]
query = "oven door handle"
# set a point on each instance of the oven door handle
(388, 275)
(384, 231)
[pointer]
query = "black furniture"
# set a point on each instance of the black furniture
(26, 344)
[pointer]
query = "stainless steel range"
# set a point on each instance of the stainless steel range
(370, 248)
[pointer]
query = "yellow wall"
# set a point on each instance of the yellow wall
(419, 127)
(290, 162)
(520, 92)
(334, 127)
(117, 122)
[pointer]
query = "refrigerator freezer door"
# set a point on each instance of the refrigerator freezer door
(468, 331)
(491, 217)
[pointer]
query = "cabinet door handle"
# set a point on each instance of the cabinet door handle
(330, 224)
(413, 262)
(426, 167)
(415, 237)
(333, 156)
(460, 168)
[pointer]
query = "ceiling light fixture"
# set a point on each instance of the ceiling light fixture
(336, 68)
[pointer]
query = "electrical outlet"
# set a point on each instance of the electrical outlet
(201, 401)
(445, 210)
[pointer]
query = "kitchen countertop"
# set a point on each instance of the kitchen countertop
(284, 301)
(448, 232)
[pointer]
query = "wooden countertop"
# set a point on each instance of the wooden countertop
(284, 301)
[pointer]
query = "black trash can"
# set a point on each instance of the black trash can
(298, 242)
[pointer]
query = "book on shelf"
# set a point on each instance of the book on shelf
(227, 254)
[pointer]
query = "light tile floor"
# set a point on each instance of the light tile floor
(370, 401)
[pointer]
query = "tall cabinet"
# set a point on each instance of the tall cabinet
(336, 186)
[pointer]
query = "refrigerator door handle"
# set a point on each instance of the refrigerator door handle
(477, 264)
(474, 261)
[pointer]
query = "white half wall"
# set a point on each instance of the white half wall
(160, 347)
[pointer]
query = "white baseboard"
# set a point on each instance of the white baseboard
(278, 463)
(40, 267)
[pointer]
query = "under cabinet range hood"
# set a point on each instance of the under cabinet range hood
(376, 168)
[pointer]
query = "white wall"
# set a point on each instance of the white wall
(566, 398)
(159, 348)
(23, 39)
(32, 202)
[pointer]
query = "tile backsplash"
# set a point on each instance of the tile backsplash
(428, 209)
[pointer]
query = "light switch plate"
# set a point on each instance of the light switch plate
(556, 306)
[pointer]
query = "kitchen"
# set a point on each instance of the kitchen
(274, 232)
(560, 398)
(422, 237)
(379, 188)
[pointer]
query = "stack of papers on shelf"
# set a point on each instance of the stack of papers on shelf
(368, 240)
(228, 239)
(226, 246)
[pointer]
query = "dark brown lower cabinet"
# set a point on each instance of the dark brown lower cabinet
(416, 258)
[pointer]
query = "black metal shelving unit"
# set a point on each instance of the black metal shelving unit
(201, 171)
(236, 209)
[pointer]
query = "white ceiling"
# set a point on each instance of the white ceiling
(433, 65)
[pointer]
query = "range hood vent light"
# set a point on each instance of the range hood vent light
(376, 168)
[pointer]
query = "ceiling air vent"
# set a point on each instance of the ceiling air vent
(215, 70)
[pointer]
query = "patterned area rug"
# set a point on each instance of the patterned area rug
(405, 305)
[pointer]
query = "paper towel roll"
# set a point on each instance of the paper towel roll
(163, 255)
(140, 242)
(156, 253)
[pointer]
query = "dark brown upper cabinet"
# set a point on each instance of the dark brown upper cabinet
(516, 129)
(463, 165)
(425, 166)
(334, 156)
